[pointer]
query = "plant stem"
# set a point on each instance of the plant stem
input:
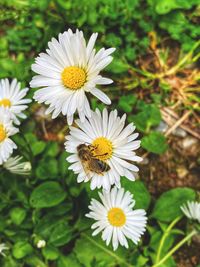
(174, 249)
(184, 59)
(175, 68)
(165, 235)
(112, 254)
(29, 150)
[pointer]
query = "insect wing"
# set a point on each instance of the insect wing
(87, 170)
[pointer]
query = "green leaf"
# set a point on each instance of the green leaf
(139, 191)
(175, 23)
(62, 164)
(101, 255)
(137, 259)
(148, 117)
(3, 224)
(51, 149)
(43, 171)
(34, 261)
(10, 262)
(167, 207)
(165, 6)
(155, 142)
(127, 102)
(21, 249)
(38, 147)
(46, 225)
(30, 138)
(50, 253)
(177, 232)
(28, 127)
(64, 208)
(95, 103)
(17, 215)
(155, 241)
(61, 234)
(69, 260)
(168, 263)
(118, 66)
(46, 195)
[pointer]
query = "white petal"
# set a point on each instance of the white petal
(101, 96)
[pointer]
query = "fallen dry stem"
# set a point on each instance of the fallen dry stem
(178, 123)
(170, 117)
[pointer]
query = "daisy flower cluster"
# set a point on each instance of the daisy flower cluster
(12, 105)
(101, 145)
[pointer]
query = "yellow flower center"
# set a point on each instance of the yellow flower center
(102, 148)
(116, 217)
(2, 133)
(73, 77)
(5, 102)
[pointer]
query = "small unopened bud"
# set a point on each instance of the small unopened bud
(2, 248)
(41, 244)
(27, 166)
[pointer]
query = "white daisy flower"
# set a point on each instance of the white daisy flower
(109, 141)
(6, 130)
(2, 248)
(192, 210)
(14, 165)
(116, 218)
(12, 98)
(68, 70)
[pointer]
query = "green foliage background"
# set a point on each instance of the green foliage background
(50, 205)
(27, 26)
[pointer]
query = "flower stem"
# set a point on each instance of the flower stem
(106, 250)
(165, 235)
(29, 150)
(174, 249)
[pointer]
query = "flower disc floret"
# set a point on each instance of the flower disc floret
(116, 217)
(2, 133)
(5, 103)
(102, 148)
(73, 77)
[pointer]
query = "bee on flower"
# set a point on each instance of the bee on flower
(103, 149)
